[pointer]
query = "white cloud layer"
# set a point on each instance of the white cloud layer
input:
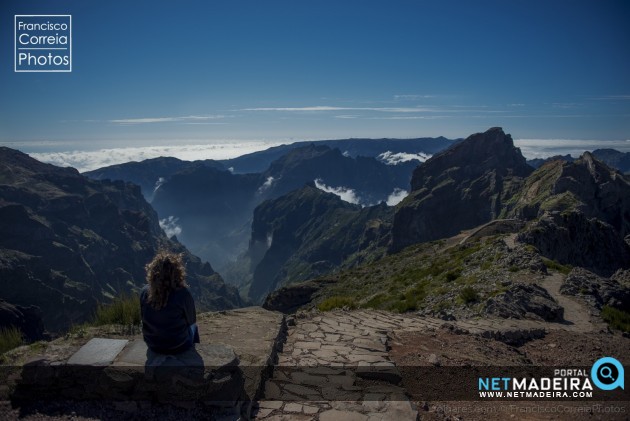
(391, 158)
(346, 194)
(396, 197)
(170, 226)
(91, 160)
(544, 148)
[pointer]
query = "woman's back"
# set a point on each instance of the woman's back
(167, 330)
(167, 307)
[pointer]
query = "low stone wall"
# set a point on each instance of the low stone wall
(207, 373)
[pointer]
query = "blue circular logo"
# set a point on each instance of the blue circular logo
(607, 374)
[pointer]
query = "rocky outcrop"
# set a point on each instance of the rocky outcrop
(290, 298)
(460, 188)
(611, 157)
(68, 243)
(597, 291)
(580, 212)
(586, 185)
(573, 239)
(28, 319)
(525, 301)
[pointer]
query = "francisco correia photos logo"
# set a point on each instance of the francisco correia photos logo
(43, 43)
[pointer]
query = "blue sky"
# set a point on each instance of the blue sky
(163, 72)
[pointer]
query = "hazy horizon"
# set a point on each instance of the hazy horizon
(86, 160)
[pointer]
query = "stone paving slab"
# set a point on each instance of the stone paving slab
(98, 352)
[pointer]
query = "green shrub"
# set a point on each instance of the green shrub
(451, 276)
(124, 310)
(376, 301)
(336, 302)
(404, 306)
(10, 338)
(468, 295)
(617, 319)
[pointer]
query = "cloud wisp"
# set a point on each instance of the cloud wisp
(266, 185)
(396, 197)
(170, 226)
(346, 194)
(391, 158)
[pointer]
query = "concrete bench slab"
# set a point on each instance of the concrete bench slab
(98, 352)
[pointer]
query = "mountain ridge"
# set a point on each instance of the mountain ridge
(68, 239)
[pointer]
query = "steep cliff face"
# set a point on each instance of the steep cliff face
(307, 233)
(460, 188)
(67, 242)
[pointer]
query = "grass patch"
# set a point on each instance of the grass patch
(124, 310)
(10, 338)
(617, 319)
(337, 302)
(553, 265)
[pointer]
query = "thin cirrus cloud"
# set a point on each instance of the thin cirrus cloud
(611, 98)
(455, 110)
(190, 119)
(331, 108)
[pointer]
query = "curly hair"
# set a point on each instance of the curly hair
(164, 273)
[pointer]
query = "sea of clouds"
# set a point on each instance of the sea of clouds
(86, 160)
(91, 160)
(544, 148)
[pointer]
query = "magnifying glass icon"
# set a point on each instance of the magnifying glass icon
(606, 373)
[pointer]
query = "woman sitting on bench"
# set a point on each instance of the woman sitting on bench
(168, 310)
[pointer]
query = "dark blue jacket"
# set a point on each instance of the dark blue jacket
(167, 331)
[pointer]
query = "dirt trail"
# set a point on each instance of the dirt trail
(576, 314)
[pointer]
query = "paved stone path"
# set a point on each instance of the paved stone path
(335, 365)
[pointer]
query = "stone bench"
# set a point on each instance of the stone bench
(119, 370)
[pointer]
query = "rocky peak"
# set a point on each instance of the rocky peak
(492, 150)
(460, 188)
